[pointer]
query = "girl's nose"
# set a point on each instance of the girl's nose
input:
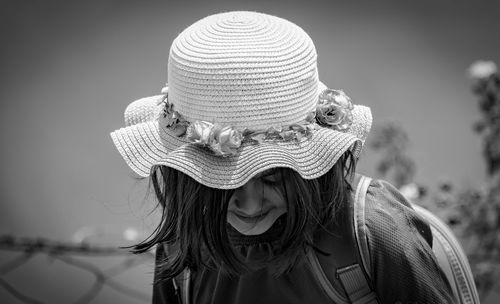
(248, 199)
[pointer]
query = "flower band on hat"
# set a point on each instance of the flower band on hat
(334, 110)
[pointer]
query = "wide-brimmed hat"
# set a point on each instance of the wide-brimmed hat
(243, 96)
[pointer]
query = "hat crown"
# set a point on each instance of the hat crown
(244, 69)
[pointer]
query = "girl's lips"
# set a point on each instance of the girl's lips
(256, 224)
(252, 218)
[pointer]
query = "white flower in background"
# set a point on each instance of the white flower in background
(130, 234)
(106, 235)
(164, 90)
(410, 191)
(83, 234)
(482, 69)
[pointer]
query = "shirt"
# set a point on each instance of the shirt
(404, 268)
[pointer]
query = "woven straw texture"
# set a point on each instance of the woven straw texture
(246, 70)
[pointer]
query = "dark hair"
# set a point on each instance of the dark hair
(194, 218)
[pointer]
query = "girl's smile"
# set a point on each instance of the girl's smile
(251, 218)
(255, 206)
(257, 224)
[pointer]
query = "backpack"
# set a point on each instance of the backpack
(352, 263)
(355, 277)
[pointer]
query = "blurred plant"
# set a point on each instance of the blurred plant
(391, 140)
(474, 212)
(486, 86)
(480, 208)
(474, 216)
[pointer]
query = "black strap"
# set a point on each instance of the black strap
(164, 290)
(355, 278)
(356, 286)
(340, 271)
(182, 294)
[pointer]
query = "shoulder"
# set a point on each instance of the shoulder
(404, 267)
(388, 211)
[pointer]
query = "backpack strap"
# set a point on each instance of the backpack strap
(360, 230)
(355, 278)
(164, 290)
(356, 285)
(340, 272)
(451, 258)
(182, 295)
(186, 285)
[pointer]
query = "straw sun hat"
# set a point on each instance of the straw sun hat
(243, 96)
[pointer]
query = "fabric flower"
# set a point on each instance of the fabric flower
(334, 109)
(174, 121)
(200, 132)
(258, 137)
(180, 128)
(222, 141)
(168, 112)
(226, 140)
(310, 117)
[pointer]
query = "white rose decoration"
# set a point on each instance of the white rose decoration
(334, 109)
(221, 140)
(200, 132)
(226, 140)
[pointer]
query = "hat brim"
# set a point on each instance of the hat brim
(146, 144)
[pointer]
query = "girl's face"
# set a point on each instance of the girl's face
(254, 207)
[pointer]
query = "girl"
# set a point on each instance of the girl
(252, 160)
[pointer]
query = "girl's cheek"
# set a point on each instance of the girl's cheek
(277, 197)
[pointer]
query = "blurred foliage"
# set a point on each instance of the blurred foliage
(392, 141)
(472, 212)
(486, 86)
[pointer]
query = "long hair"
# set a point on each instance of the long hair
(194, 218)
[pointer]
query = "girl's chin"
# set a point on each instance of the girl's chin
(254, 227)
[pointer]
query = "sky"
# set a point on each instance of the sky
(69, 69)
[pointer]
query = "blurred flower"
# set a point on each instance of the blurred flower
(446, 186)
(410, 191)
(482, 69)
(131, 234)
(106, 235)
(164, 90)
(84, 233)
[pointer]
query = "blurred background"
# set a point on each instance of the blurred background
(68, 69)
